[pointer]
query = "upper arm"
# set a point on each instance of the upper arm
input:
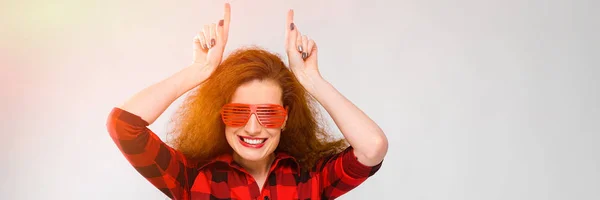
(164, 167)
(342, 172)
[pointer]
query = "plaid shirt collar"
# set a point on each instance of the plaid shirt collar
(227, 158)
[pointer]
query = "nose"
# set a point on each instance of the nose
(253, 127)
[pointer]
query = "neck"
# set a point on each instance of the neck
(259, 167)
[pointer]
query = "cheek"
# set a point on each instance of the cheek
(229, 131)
(274, 133)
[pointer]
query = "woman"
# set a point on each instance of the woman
(249, 131)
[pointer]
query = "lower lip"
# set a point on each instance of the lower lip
(252, 145)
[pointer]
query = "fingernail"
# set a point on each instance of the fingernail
(299, 48)
(212, 42)
(304, 55)
(292, 26)
(220, 22)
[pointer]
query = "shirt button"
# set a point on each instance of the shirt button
(266, 198)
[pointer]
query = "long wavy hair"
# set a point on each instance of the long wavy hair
(199, 133)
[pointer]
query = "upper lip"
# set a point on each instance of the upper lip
(253, 138)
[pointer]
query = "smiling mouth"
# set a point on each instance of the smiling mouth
(252, 141)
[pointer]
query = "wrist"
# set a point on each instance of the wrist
(189, 78)
(201, 71)
(312, 82)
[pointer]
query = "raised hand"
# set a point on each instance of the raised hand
(302, 53)
(209, 43)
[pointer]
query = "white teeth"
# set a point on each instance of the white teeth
(253, 141)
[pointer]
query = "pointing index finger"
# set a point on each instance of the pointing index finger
(226, 20)
(290, 20)
(290, 31)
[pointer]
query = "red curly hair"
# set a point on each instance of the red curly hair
(199, 132)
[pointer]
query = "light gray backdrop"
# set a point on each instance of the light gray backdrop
(479, 99)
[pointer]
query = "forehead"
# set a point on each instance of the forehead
(258, 92)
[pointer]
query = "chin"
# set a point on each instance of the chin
(251, 156)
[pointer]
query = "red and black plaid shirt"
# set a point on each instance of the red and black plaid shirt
(222, 178)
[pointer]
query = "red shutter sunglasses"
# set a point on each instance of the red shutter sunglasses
(238, 114)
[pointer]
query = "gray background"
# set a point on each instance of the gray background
(479, 99)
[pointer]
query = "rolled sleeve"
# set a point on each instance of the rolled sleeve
(343, 172)
(166, 168)
(354, 168)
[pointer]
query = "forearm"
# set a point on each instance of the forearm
(366, 137)
(152, 101)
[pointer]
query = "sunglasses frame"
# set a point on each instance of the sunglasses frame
(227, 114)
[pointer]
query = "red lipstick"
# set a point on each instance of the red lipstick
(241, 138)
